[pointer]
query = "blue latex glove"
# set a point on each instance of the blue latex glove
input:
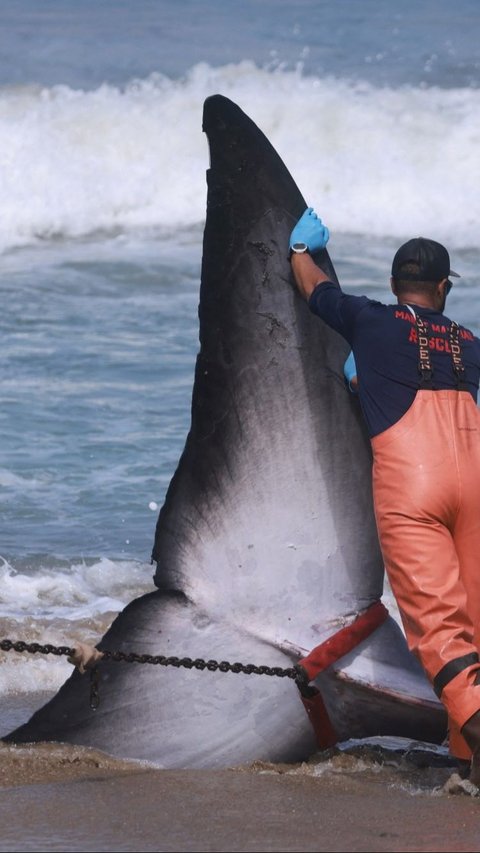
(350, 372)
(310, 230)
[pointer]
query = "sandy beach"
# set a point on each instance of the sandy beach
(57, 797)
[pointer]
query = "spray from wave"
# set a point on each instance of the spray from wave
(61, 606)
(378, 161)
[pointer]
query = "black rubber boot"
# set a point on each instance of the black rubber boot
(471, 733)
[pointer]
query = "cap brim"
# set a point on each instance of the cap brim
(455, 274)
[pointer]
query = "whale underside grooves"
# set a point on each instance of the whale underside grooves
(266, 543)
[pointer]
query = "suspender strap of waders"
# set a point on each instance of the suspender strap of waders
(458, 365)
(424, 364)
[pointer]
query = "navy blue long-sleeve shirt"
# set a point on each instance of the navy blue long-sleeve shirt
(384, 342)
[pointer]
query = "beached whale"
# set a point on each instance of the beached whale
(266, 543)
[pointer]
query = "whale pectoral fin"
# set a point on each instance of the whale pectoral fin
(175, 715)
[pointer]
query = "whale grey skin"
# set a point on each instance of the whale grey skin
(266, 543)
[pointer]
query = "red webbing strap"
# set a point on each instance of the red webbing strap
(317, 713)
(344, 640)
(338, 645)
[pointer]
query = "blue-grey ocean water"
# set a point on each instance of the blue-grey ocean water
(374, 107)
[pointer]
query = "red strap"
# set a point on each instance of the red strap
(327, 653)
(344, 640)
(317, 713)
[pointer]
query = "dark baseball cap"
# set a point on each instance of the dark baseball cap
(431, 257)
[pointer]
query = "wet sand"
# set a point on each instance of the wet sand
(384, 796)
(57, 797)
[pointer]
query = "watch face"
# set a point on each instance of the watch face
(300, 247)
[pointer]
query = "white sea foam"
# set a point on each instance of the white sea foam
(60, 606)
(372, 160)
(77, 592)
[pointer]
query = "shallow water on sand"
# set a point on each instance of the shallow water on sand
(371, 800)
(381, 794)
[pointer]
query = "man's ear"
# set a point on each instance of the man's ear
(393, 286)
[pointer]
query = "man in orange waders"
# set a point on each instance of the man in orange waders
(418, 376)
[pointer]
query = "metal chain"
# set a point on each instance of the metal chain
(200, 663)
(131, 657)
(33, 648)
(94, 688)
(296, 672)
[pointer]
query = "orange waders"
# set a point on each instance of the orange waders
(426, 482)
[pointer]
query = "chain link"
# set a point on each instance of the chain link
(200, 663)
(34, 648)
(160, 660)
(94, 688)
(295, 672)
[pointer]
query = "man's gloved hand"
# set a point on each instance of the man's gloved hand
(350, 373)
(310, 230)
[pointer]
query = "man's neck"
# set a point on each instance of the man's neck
(415, 299)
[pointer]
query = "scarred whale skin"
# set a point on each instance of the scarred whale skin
(266, 543)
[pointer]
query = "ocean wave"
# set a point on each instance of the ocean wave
(60, 606)
(372, 160)
(73, 593)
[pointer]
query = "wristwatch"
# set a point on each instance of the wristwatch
(297, 249)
